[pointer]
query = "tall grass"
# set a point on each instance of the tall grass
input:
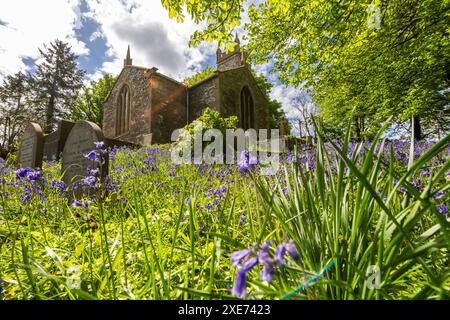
(166, 232)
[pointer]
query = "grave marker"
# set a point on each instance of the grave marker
(31, 146)
(80, 142)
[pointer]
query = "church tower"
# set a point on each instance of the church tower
(233, 59)
(128, 61)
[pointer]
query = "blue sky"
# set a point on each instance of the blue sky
(99, 33)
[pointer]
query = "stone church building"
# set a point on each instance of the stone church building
(146, 106)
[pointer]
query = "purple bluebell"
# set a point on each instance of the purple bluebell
(92, 155)
(292, 249)
(280, 253)
(90, 181)
(240, 283)
(242, 219)
(99, 144)
(442, 208)
(238, 256)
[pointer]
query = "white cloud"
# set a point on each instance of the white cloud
(30, 24)
(155, 40)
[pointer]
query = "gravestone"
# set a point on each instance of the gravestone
(31, 146)
(55, 141)
(80, 142)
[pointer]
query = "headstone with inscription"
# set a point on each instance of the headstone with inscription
(79, 143)
(55, 141)
(31, 146)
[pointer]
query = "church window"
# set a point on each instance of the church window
(123, 111)
(246, 113)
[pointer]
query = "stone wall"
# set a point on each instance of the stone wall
(231, 84)
(202, 95)
(140, 123)
(168, 109)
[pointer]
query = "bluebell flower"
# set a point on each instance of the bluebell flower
(242, 219)
(247, 162)
(92, 155)
(238, 256)
(76, 204)
(280, 252)
(442, 208)
(90, 181)
(99, 144)
(292, 249)
(240, 285)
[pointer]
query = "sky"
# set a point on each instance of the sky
(99, 32)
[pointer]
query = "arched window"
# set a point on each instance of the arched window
(247, 113)
(123, 111)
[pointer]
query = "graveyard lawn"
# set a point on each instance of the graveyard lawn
(155, 230)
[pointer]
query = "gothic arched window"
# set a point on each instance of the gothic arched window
(123, 111)
(247, 113)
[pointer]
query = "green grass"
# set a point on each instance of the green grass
(342, 206)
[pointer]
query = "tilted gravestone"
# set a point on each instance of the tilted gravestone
(55, 141)
(79, 143)
(31, 146)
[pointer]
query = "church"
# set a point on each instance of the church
(146, 106)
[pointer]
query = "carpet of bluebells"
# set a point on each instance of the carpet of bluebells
(155, 230)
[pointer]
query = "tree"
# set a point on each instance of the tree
(275, 109)
(56, 82)
(199, 76)
(363, 62)
(15, 110)
(89, 104)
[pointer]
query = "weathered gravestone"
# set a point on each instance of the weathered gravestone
(55, 141)
(79, 143)
(31, 146)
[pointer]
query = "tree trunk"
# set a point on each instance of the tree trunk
(417, 128)
(50, 113)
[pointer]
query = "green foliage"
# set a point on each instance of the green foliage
(144, 240)
(56, 82)
(210, 119)
(199, 76)
(275, 108)
(358, 69)
(15, 98)
(89, 104)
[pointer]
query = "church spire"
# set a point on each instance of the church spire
(128, 61)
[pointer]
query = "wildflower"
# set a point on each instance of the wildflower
(92, 155)
(57, 185)
(188, 201)
(201, 227)
(238, 256)
(439, 194)
(240, 288)
(208, 206)
(247, 162)
(89, 181)
(99, 144)
(292, 250)
(242, 219)
(442, 208)
(280, 252)
(290, 158)
(23, 172)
